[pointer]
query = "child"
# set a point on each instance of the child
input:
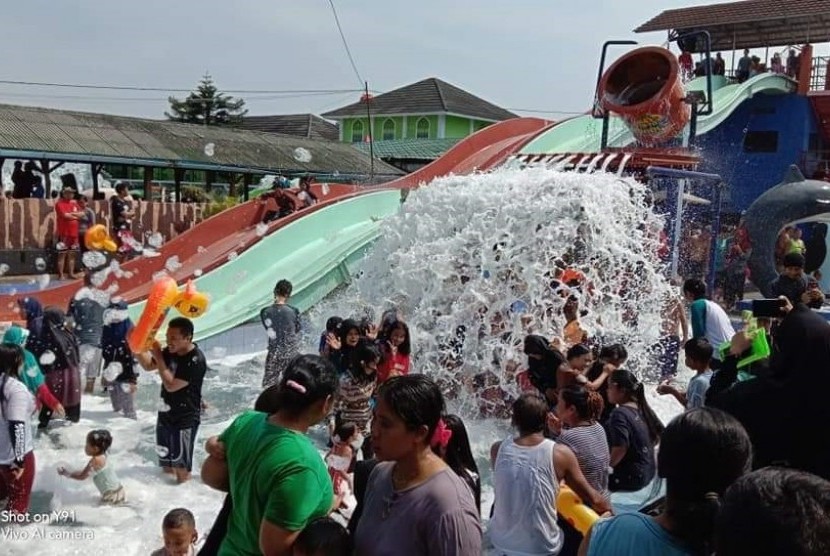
(698, 355)
(103, 475)
(180, 535)
(395, 349)
(118, 359)
(332, 327)
(340, 457)
(323, 537)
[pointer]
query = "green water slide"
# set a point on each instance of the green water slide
(582, 134)
(317, 253)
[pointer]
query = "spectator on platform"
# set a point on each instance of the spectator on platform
(685, 61)
(38, 192)
(86, 221)
(744, 66)
(719, 66)
(793, 63)
(121, 212)
(18, 179)
(68, 215)
(776, 64)
(305, 196)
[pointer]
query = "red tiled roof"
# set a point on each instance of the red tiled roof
(750, 23)
(747, 11)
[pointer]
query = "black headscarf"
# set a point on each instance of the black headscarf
(542, 372)
(59, 339)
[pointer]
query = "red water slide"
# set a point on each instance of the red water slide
(210, 243)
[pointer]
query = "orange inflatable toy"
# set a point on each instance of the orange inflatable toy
(162, 296)
(97, 238)
(644, 87)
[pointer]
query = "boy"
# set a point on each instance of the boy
(179, 530)
(282, 323)
(698, 356)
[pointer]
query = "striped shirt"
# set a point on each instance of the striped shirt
(591, 448)
(354, 401)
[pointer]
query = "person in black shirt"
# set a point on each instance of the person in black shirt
(793, 284)
(181, 366)
(19, 180)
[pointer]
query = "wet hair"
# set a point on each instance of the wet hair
(268, 400)
(386, 333)
(459, 456)
(307, 380)
(695, 288)
(183, 325)
(345, 327)
(100, 439)
(178, 518)
(368, 353)
(588, 403)
(702, 452)
(775, 511)
(625, 380)
(345, 430)
(120, 187)
(333, 324)
(530, 413)
(613, 352)
(11, 359)
(416, 400)
(283, 288)
(698, 349)
(577, 350)
(323, 537)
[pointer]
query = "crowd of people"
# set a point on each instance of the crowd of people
(748, 65)
(400, 467)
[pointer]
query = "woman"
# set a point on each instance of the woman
(277, 480)
(543, 361)
(415, 504)
(703, 451)
(61, 365)
(452, 444)
(633, 429)
(527, 469)
(395, 347)
(578, 358)
(17, 457)
(344, 344)
(32, 376)
(610, 359)
(32, 311)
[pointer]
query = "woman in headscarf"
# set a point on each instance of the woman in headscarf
(61, 364)
(543, 361)
(32, 311)
(31, 375)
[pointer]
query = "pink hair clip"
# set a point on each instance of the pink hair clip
(294, 385)
(442, 435)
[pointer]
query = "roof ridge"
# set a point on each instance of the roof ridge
(437, 82)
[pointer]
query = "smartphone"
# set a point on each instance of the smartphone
(767, 307)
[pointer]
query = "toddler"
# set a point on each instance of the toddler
(103, 475)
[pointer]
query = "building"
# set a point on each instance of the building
(309, 126)
(417, 123)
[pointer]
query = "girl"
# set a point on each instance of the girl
(340, 457)
(355, 393)
(415, 504)
(571, 371)
(633, 429)
(103, 475)
(609, 360)
(17, 457)
(343, 345)
(118, 359)
(32, 376)
(452, 444)
(61, 365)
(395, 348)
(703, 451)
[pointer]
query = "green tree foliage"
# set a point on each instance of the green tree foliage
(207, 106)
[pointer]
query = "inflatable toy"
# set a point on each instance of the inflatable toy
(164, 295)
(190, 303)
(577, 514)
(97, 238)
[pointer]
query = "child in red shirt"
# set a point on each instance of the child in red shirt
(395, 348)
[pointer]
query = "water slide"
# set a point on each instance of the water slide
(582, 133)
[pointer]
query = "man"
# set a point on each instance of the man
(709, 320)
(88, 318)
(744, 65)
(793, 284)
(282, 323)
(19, 180)
(121, 210)
(719, 65)
(68, 214)
(182, 367)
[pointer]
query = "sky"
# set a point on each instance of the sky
(524, 55)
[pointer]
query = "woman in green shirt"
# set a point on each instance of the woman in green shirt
(276, 477)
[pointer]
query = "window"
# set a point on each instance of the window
(761, 142)
(357, 131)
(388, 129)
(422, 129)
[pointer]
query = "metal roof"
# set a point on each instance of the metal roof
(409, 149)
(430, 96)
(29, 132)
(299, 125)
(750, 23)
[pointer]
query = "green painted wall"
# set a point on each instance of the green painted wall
(455, 127)
(377, 127)
(412, 126)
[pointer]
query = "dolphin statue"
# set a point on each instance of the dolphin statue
(794, 200)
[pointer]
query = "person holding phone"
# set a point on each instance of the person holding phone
(796, 286)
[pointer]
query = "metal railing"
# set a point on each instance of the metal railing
(818, 75)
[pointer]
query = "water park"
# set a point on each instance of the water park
(536, 285)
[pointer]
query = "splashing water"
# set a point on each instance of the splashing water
(210, 149)
(155, 240)
(47, 358)
(112, 371)
(93, 259)
(232, 256)
(4, 268)
(464, 250)
(43, 281)
(302, 154)
(261, 229)
(197, 272)
(172, 264)
(201, 249)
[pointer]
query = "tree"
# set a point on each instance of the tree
(207, 106)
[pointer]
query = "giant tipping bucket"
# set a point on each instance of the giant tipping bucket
(644, 88)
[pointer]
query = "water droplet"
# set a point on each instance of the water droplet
(210, 149)
(272, 334)
(268, 323)
(4, 268)
(43, 281)
(162, 451)
(40, 264)
(197, 272)
(32, 371)
(162, 406)
(302, 155)
(47, 358)
(155, 240)
(93, 259)
(218, 352)
(326, 189)
(158, 275)
(126, 387)
(201, 249)
(261, 229)
(98, 278)
(232, 256)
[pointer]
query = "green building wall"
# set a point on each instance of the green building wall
(455, 126)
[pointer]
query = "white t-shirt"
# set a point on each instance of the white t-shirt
(718, 327)
(18, 405)
(696, 390)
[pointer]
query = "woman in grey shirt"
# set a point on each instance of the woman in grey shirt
(415, 504)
